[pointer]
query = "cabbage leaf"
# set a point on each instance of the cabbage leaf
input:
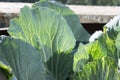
(72, 19)
(49, 33)
(23, 58)
(101, 69)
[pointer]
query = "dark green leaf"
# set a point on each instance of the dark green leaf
(24, 60)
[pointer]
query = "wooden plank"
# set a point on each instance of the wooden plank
(95, 14)
(9, 11)
(12, 7)
(95, 10)
(87, 14)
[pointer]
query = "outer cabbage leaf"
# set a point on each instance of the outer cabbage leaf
(49, 33)
(101, 47)
(71, 18)
(88, 53)
(80, 58)
(24, 60)
(43, 28)
(95, 67)
(90, 64)
(101, 69)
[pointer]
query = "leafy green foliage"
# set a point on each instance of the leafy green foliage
(48, 32)
(60, 65)
(43, 41)
(80, 58)
(88, 62)
(71, 18)
(112, 28)
(30, 1)
(25, 63)
(44, 29)
(24, 60)
(95, 2)
(100, 56)
(101, 69)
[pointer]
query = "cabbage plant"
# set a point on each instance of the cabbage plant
(48, 31)
(45, 44)
(100, 60)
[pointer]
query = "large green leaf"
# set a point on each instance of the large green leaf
(43, 28)
(49, 33)
(24, 60)
(71, 18)
(101, 69)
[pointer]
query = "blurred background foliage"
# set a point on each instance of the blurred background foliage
(30, 1)
(95, 2)
(77, 2)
